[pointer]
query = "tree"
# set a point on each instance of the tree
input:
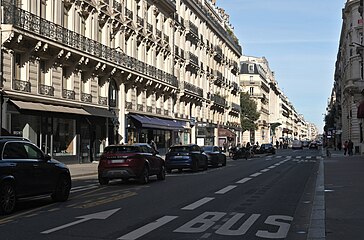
(249, 114)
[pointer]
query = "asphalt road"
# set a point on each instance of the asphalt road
(269, 197)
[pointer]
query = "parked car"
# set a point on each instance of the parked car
(297, 144)
(313, 145)
(138, 161)
(214, 156)
(266, 148)
(26, 171)
(186, 156)
(305, 144)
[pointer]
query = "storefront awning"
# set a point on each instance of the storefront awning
(159, 123)
(360, 110)
(224, 132)
(99, 112)
(47, 107)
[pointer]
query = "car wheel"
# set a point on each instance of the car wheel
(162, 173)
(206, 166)
(62, 190)
(144, 177)
(103, 180)
(7, 198)
(195, 166)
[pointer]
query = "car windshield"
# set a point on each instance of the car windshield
(207, 148)
(180, 149)
(121, 149)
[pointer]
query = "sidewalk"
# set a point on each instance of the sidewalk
(344, 195)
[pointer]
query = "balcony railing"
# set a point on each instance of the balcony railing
(103, 100)
(140, 21)
(192, 28)
(129, 105)
(117, 6)
(140, 107)
(158, 33)
(194, 89)
(192, 58)
(24, 20)
(149, 27)
(68, 94)
(46, 90)
(20, 85)
(218, 100)
(149, 109)
(158, 111)
(129, 14)
(85, 97)
(235, 107)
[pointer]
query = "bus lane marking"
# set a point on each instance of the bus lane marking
(147, 228)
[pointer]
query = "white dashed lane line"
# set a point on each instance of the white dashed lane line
(256, 174)
(198, 203)
(244, 180)
(226, 189)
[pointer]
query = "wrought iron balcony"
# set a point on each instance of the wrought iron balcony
(46, 90)
(112, 102)
(117, 5)
(193, 89)
(128, 14)
(158, 33)
(192, 58)
(140, 107)
(85, 97)
(149, 27)
(166, 112)
(218, 100)
(149, 109)
(20, 85)
(103, 100)
(68, 94)
(166, 38)
(192, 29)
(235, 107)
(129, 105)
(45, 29)
(140, 21)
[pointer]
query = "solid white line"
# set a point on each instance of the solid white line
(256, 174)
(198, 203)
(226, 189)
(244, 180)
(147, 228)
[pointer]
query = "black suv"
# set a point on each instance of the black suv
(26, 171)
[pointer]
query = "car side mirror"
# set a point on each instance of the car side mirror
(47, 157)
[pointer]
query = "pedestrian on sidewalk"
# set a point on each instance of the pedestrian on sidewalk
(345, 147)
(350, 147)
(339, 144)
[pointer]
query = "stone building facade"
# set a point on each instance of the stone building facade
(346, 106)
(79, 75)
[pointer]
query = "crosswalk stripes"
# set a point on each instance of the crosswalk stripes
(298, 159)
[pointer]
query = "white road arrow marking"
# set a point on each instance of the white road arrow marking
(99, 215)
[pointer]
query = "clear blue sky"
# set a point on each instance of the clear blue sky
(299, 38)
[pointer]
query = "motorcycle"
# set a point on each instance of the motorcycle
(241, 153)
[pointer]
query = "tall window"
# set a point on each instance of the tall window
(42, 71)
(251, 91)
(112, 94)
(17, 66)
